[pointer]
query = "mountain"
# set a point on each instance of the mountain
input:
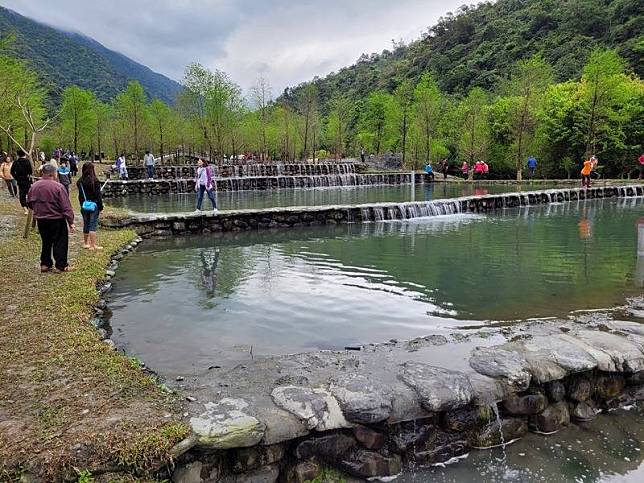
(479, 45)
(64, 58)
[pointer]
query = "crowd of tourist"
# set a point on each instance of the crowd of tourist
(45, 190)
(49, 196)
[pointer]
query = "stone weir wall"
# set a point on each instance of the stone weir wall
(237, 171)
(118, 188)
(148, 225)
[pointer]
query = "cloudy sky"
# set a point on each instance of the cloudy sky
(285, 41)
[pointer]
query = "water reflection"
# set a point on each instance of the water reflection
(209, 263)
(327, 287)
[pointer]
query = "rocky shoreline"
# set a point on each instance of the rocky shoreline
(369, 411)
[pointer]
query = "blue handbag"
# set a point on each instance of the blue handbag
(90, 206)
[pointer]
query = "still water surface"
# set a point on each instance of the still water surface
(236, 200)
(294, 290)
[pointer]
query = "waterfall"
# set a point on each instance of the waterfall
(407, 211)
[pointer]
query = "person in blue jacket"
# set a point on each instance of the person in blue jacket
(532, 166)
(429, 171)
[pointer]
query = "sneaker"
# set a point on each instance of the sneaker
(215, 210)
(197, 210)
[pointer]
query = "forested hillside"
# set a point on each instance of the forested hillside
(64, 59)
(478, 46)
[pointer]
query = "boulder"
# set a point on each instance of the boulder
(552, 419)
(329, 447)
(190, 473)
(361, 400)
(525, 405)
(502, 362)
(266, 474)
(225, 425)
(584, 411)
(556, 391)
(439, 389)
(247, 459)
(370, 464)
(316, 408)
(609, 386)
(492, 435)
(467, 418)
(440, 447)
(580, 388)
(636, 379)
(368, 437)
(407, 435)
(304, 471)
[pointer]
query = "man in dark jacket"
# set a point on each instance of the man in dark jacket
(53, 212)
(22, 171)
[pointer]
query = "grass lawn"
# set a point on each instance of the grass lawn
(69, 404)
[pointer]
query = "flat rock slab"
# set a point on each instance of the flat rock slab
(502, 362)
(439, 389)
(225, 425)
(361, 400)
(316, 408)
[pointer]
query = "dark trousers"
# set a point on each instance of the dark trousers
(200, 193)
(12, 186)
(150, 170)
(23, 189)
(54, 239)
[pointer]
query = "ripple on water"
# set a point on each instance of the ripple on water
(328, 287)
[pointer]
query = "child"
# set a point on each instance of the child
(64, 175)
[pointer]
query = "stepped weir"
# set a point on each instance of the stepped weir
(240, 220)
(118, 188)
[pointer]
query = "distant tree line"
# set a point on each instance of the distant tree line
(601, 113)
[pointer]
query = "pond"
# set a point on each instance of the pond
(234, 200)
(183, 300)
(608, 449)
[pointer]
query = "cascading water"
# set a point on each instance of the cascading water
(407, 211)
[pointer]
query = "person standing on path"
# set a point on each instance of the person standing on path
(585, 173)
(465, 169)
(53, 212)
(532, 166)
(91, 202)
(22, 171)
(641, 166)
(205, 183)
(444, 168)
(148, 160)
(5, 174)
(64, 175)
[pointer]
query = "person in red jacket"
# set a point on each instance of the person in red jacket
(53, 212)
(642, 166)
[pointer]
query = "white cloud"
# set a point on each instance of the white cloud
(285, 41)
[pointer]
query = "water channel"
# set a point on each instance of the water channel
(233, 200)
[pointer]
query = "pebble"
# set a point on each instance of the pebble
(180, 378)
(191, 399)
